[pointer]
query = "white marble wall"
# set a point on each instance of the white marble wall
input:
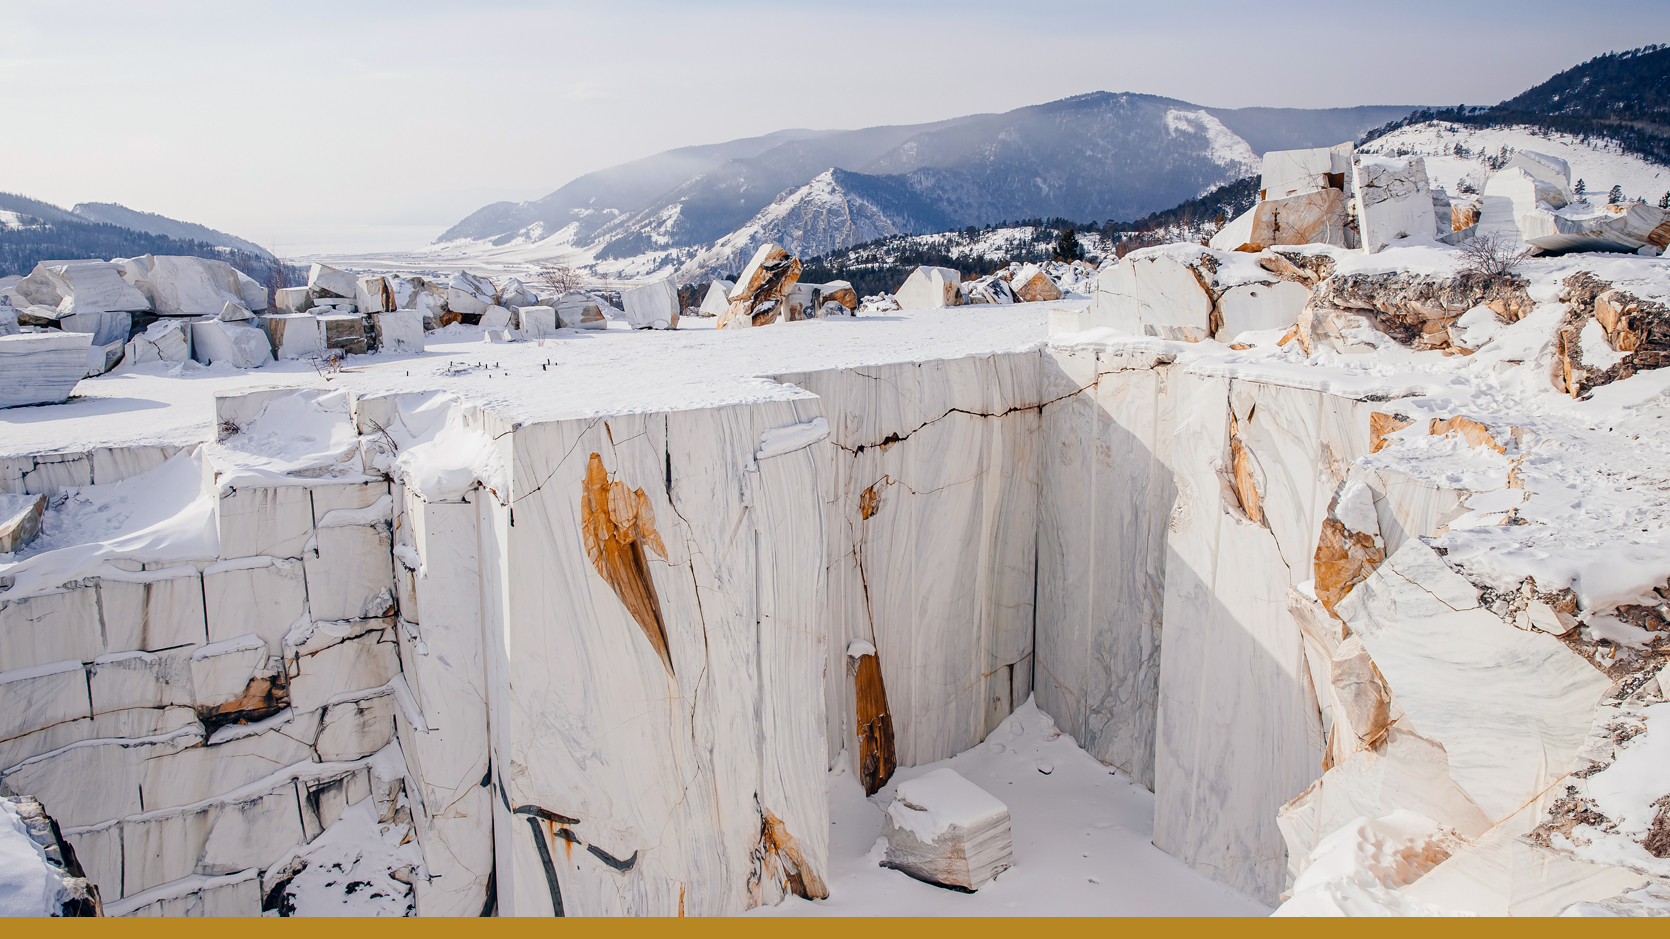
(648, 789)
(940, 578)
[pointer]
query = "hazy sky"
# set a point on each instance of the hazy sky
(311, 126)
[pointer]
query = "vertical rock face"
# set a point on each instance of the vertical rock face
(933, 500)
(718, 734)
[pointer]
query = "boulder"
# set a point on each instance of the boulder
(761, 288)
(372, 294)
(293, 299)
(1294, 172)
(514, 295)
(1153, 294)
(470, 295)
(992, 288)
(415, 293)
(651, 306)
(497, 317)
(327, 281)
(293, 335)
(398, 331)
(944, 830)
(105, 327)
(186, 286)
(41, 368)
(20, 520)
(344, 332)
(576, 310)
(167, 340)
(538, 321)
(929, 288)
(254, 295)
(1032, 285)
(234, 312)
(92, 287)
(717, 298)
(1394, 201)
(235, 343)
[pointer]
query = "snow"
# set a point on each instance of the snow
(780, 440)
(1601, 166)
(1625, 792)
(164, 514)
(1356, 509)
(1082, 841)
(1356, 870)
(930, 804)
(29, 885)
(858, 648)
(574, 374)
(1224, 147)
(350, 869)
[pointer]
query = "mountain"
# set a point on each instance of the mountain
(595, 199)
(1092, 156)
(32, 231)
(124, 217)
(834, 210)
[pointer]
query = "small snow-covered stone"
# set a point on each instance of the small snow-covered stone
(651, 306)
(945, 830)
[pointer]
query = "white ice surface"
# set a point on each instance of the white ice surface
(1082, 841)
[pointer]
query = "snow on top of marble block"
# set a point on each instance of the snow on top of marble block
(164, 514)
(39, 671)
(932, 803)
(569, 374)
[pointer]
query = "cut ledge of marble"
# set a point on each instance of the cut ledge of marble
(1511, 708)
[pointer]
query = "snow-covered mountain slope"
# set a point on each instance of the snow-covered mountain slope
(151, 223)
(1600, 164)
(835, 210)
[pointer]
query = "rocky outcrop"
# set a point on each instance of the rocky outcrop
(1607, 335)
(1415, 309)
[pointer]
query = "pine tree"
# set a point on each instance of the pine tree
(1581, 187)
(1068, 248)
(1616, 196)
(1664, 201)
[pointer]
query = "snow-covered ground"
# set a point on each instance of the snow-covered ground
(1081, 833)
(1599, 164)
(578, 374)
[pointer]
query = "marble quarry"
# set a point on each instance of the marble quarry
(513, 658)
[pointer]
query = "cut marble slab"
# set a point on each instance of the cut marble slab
(20, 520)
(651, 306)
(41, 368)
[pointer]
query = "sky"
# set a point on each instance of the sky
(358, 126)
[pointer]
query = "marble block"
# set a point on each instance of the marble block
(1291, 172)
(399, 330)
(651, 306)
(945, 830)
(41, 368)
(166, 340)
(717, 298)
(293, 299)
(38, 697)
(221, 671)
(236, 344)
(293, 335)
(152, 610)
(236, 894)
(470, 295)
(51, 627)
(20, 520)
(92, 287)
(257, 521)
(253, 293)
(1394, 200)
(929, 288)
(373, 294)
(538, 321)
(59, 777)
(1145, 294)
(357, 727)
(576, 310)
(187, 286)
(1260, 306)
(350, 575)
(366, 660)
(124, 680)
(261, 595)
(326, 281)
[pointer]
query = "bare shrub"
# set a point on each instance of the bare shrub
(557, 277)
(1492, 255)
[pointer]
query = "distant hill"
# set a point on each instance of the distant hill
(1622, 96)
(112, 214)
(32, 231)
